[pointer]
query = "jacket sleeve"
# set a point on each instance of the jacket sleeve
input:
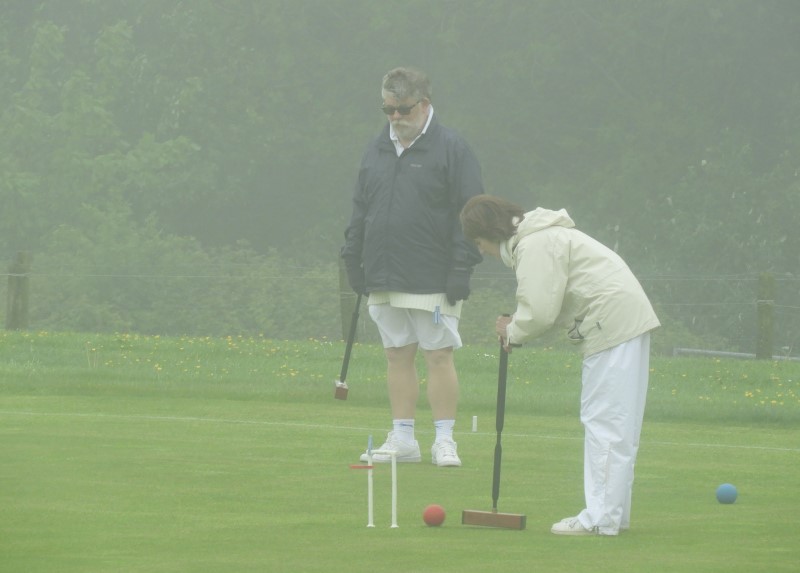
(466, 182)
(354, 233)
(542, 268)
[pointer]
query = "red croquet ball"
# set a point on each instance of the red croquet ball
(433, 515)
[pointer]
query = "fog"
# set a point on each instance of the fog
(667, 129)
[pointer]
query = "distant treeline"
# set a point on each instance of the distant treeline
(147, 148)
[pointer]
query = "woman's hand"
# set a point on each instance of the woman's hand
(501, 328)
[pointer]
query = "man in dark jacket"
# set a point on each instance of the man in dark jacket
(404, 246)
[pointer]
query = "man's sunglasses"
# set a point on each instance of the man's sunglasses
(401, 109)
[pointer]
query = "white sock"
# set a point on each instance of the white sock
(444, 429)
(404, 429)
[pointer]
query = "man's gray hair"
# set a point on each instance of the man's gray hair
(402, 83)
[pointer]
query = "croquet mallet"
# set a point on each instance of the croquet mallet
(493, 518)
(340, 386)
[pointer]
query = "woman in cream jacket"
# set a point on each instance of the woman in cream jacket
(567, 279)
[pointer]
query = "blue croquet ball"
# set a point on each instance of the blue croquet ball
(726, 493)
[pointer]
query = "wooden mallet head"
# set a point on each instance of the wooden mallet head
(340, 391)
(493, 519)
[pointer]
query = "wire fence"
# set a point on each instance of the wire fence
(724, 312)
(719, 313)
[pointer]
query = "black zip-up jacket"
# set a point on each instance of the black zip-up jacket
(405, 228)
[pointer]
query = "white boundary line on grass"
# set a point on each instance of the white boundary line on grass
(356, 428)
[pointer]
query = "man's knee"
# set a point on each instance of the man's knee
(401, 355)
(439, 357)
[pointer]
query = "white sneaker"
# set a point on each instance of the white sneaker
(571, 526)
(444, 454)
(405, 452)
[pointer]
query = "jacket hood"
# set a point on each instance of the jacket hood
(539, 219)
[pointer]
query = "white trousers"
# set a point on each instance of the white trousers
(612, 408)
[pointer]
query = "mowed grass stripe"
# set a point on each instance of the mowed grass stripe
(380, 429)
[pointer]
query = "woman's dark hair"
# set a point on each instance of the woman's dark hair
(490, 218)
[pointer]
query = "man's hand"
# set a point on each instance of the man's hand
(458, 284)
(355, 276)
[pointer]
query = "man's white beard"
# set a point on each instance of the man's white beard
(406, 130)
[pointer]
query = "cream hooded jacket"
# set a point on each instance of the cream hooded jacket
(565, 278)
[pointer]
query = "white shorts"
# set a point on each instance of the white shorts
(403, 326)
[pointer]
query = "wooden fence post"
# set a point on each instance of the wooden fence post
(18, 295)
(347, 301)
(765, 306)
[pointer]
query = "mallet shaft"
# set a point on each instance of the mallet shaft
(499, 423)
(350, 339)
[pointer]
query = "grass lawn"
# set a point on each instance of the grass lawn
(124, 453)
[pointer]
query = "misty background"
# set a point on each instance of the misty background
(186, 167)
